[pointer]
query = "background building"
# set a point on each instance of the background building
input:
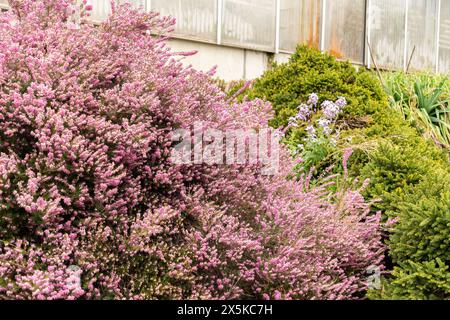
(243, 37)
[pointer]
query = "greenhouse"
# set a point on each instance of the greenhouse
(398, 33)
(387, 34)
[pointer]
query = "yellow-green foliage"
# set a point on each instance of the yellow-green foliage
(308, 71)
(408, 173)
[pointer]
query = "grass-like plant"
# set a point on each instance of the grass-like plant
(424, 100)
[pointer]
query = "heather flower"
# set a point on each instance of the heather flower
(391, 222)
(347, 154)
(86, 122)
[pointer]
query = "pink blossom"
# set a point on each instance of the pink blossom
(86, 118)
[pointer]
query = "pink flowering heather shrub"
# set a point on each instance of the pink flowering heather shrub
(91, 207)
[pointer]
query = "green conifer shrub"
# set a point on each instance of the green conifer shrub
(409, 176)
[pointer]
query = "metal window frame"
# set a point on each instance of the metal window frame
(277, 25)
(323, 12)
(219, 21)
(406, 48)
(368, 35)
(438, 37)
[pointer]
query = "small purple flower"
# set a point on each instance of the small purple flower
(347, 154)
(304, 112)
(310, 130)
(330, 110)
(341, 102)
(324, 123)
(313, 99)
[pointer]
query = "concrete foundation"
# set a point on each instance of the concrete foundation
(232, 63)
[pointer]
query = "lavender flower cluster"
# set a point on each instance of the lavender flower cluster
(325, 124)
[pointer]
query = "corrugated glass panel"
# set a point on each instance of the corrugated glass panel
(196, 19)
(299, 23)
(249, 23)
(444, 43)
(345, 29)
(100, 9)
(422, 28)
(387, 34)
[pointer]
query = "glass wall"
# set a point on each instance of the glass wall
(299, 23)
(344, 24)
(387, 32)
(444, 42)
(249, 23)
(421, 35)
(401, 33)
(196, 19)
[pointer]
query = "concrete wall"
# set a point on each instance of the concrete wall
(232, 63)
